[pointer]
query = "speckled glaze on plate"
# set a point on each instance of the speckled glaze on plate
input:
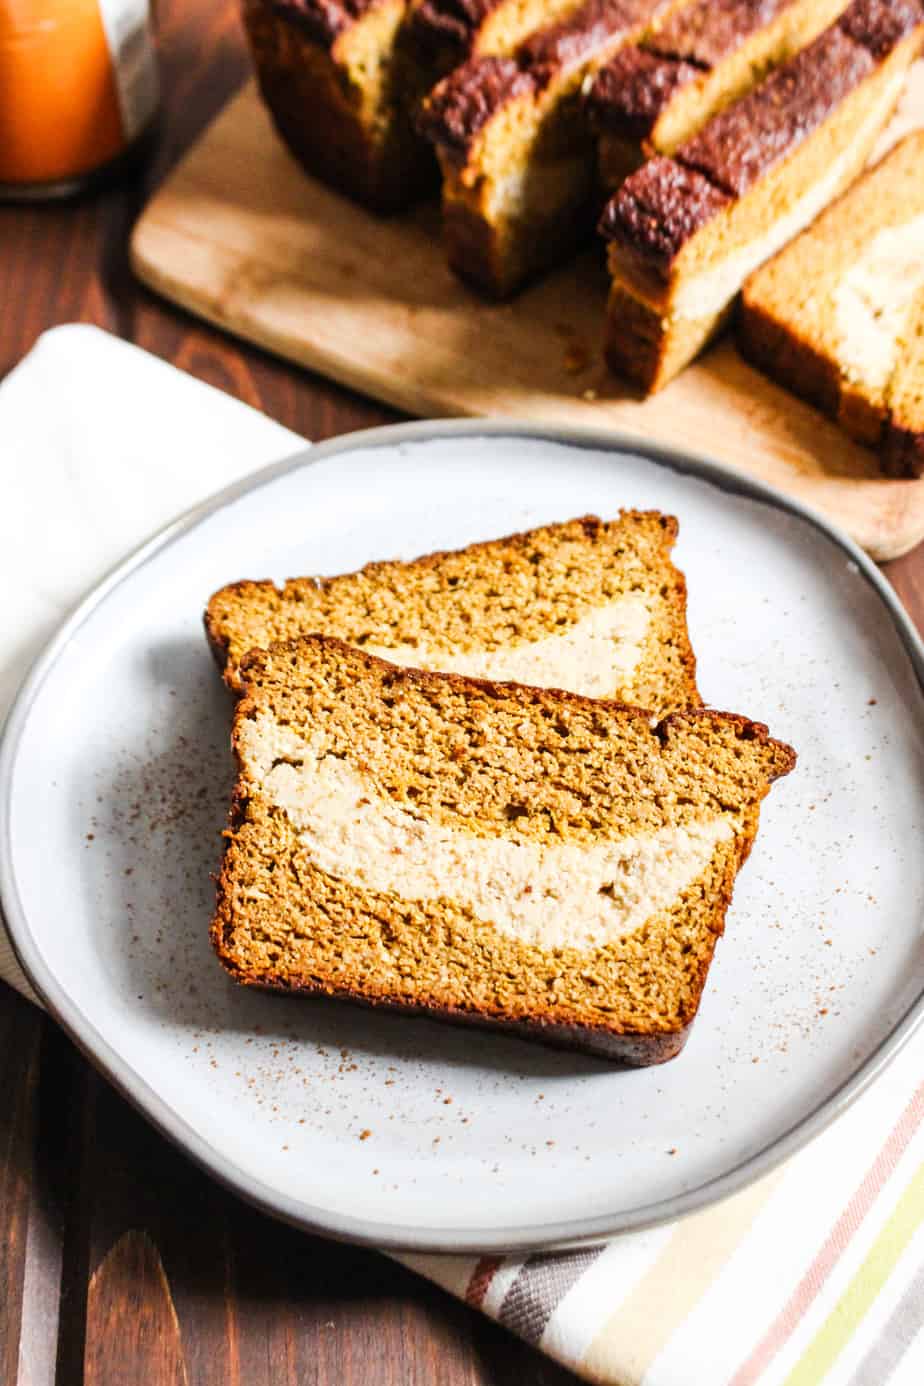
(114, 779)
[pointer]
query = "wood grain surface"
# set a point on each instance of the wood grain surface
(120, 1263)
(241, 236)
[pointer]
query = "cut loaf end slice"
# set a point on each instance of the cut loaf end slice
(503, 855)
(838, 315)
(592, 606)
(328, 74)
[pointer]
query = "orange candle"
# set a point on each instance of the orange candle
(78, 85)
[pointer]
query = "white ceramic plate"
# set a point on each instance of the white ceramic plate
(114, 780)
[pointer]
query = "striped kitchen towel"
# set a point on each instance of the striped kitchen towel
(813, 1275)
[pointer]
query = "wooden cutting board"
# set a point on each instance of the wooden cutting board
(239, 235)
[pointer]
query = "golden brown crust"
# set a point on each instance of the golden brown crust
(630, 94)
(662, 206)
(659, 209)
(804, 136)
(515, 150)
(633, 1051)
(473, 94)
(738, 146)
(463, 103)
(651, 98)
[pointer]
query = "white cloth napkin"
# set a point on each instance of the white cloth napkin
(101, 445)
(813, 1275)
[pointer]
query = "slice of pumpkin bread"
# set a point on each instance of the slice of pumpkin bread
(342, 78)
(653, 96)
(686, 232)
(438, 35)
(449, 31)
(520, 188)
(505, 855)
(595, 607)
(837, 315)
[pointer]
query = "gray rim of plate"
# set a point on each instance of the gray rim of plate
(388, 1236)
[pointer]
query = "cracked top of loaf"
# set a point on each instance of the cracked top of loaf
(323, 20)
(462, 104)
(633, 89)
(662, 210)
(637, 85)
(453, 22)
(745, 140)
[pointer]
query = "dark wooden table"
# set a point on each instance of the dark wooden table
(120, 1263)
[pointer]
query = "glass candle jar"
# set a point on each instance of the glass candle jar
(78, 92)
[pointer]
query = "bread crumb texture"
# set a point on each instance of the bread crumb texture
(598, 608)
(527, 775)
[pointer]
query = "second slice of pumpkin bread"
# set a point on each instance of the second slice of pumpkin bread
(686, 232)
(342, 78)
(520, 187)
(505, 855)
(595, 607)
(653, 96)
